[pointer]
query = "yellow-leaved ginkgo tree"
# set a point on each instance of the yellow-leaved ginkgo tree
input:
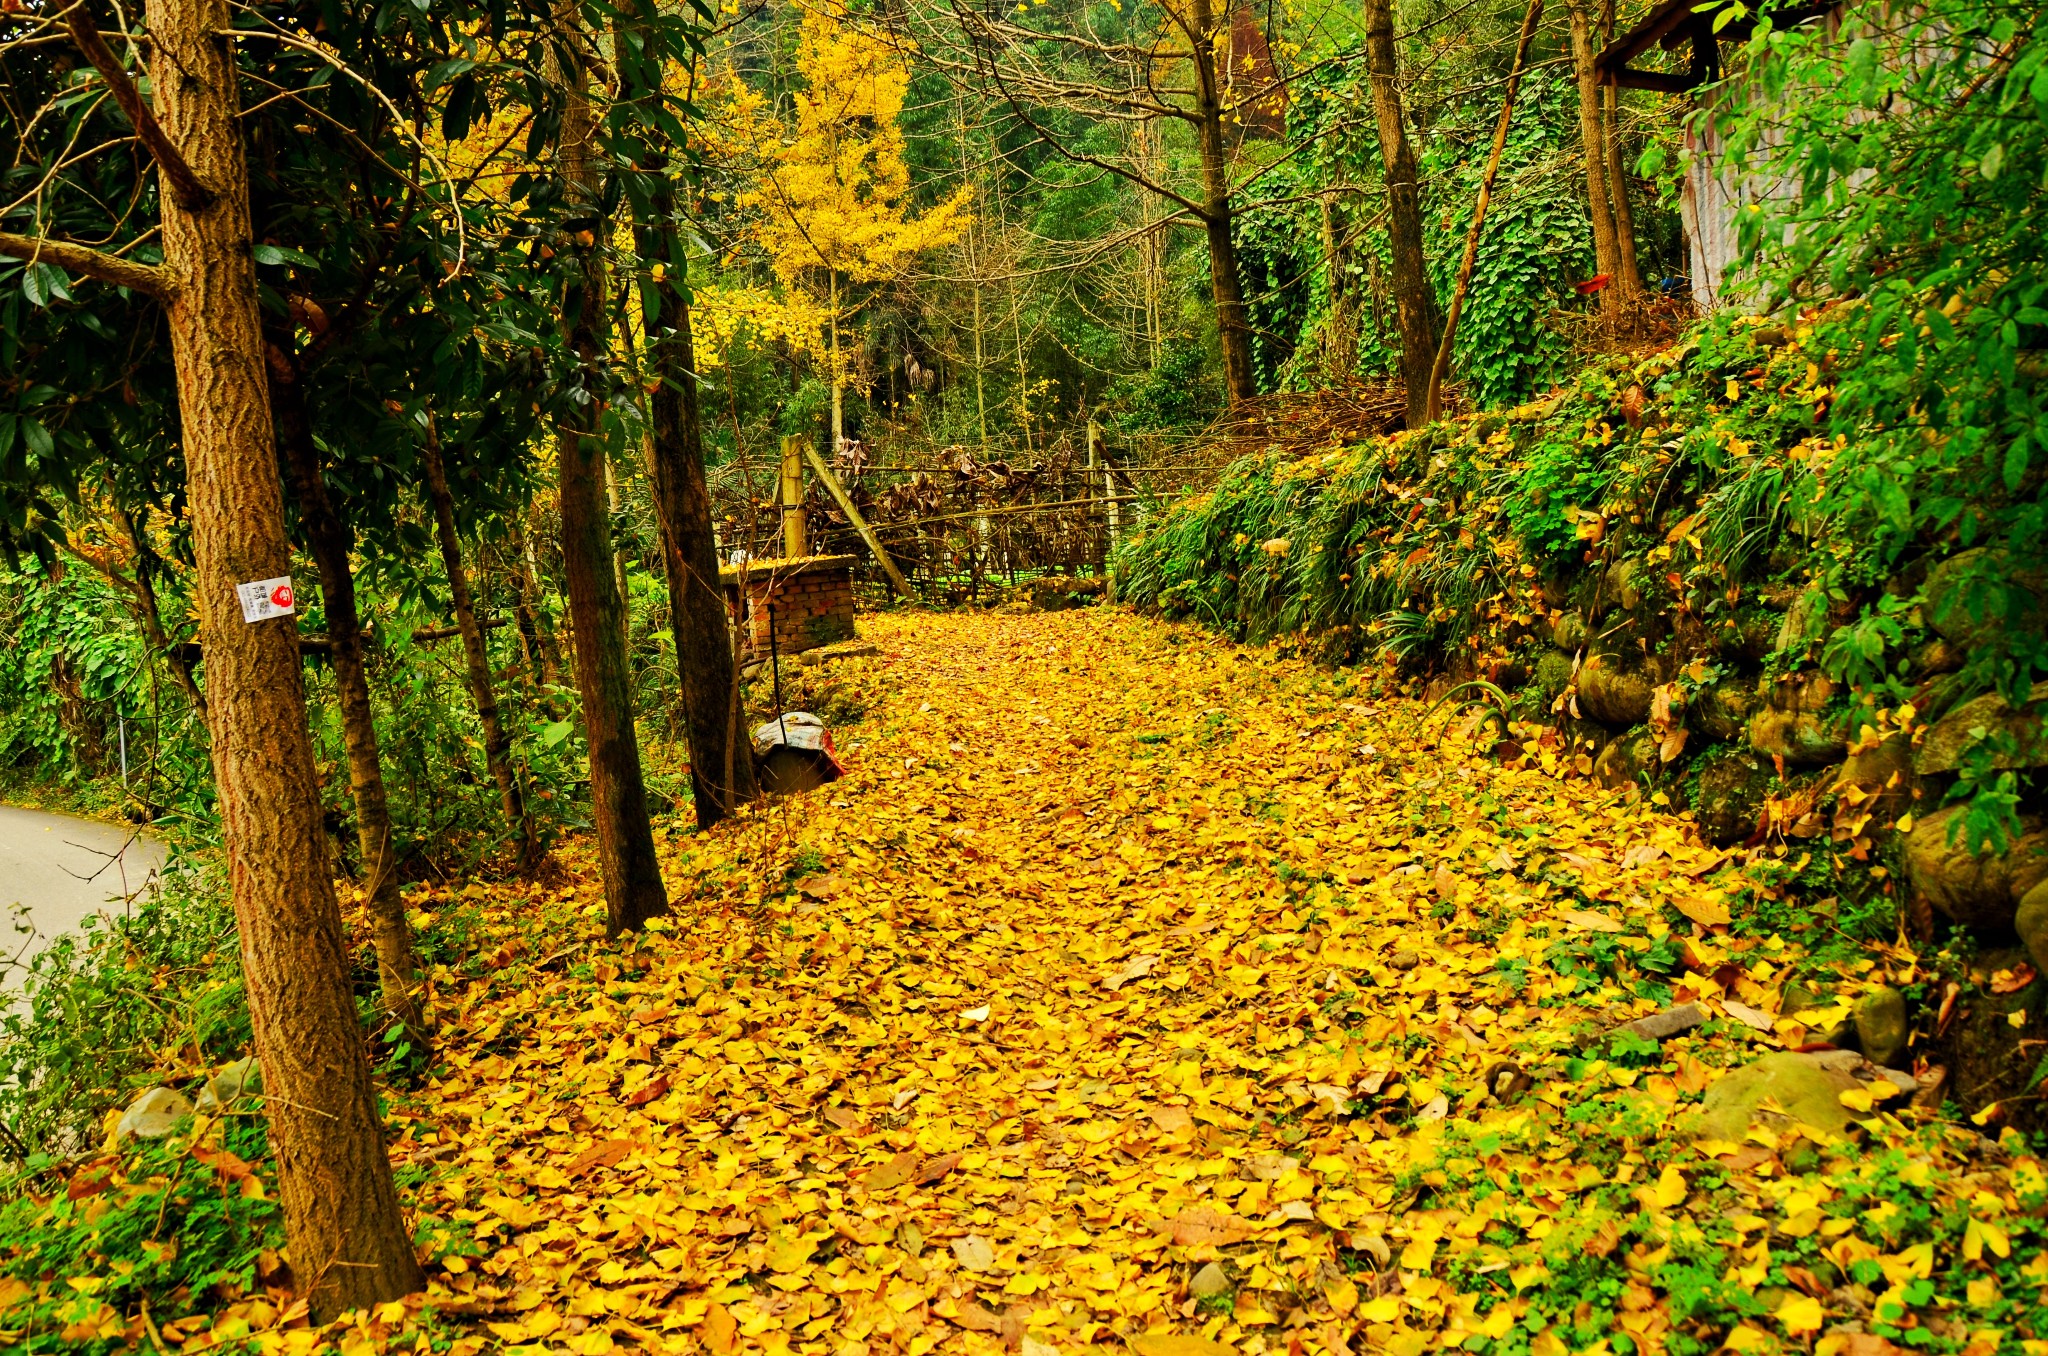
(829, 190)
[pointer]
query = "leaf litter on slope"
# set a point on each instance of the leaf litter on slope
(1129, 952)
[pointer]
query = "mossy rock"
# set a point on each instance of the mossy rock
(1722, 712)
(1943, 747)
(1975, 595)
(1777, 1089)
(1611, 694)
(1553, 672)
(1570, 632)
(2031, 922)
(1728, 794)
(1882, 1027)
(1982, 889)
(1627, 758)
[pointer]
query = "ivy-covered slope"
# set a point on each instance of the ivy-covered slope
(1682, 572)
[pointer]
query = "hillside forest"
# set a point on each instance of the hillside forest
(1188, 676)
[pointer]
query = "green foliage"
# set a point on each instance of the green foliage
(1940, 409)
(100, 1007)
(160, 1231)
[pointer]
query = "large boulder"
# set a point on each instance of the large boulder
(1974, 595)
(1612, 695)
(1805, 622)
(1626, 759)
(1981, 889)
(1884, 777)
(1731, 789)
(1777, 1089)
(2031, 922)
(1722, 712)
(1791, 725)
(1948, 739)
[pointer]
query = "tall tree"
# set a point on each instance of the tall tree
(721, 771)
(1046, 73)
(1413, 303)
(477, 658)
(329, 542)
(831, 189)
(1593, 141)
(625, 835)
(348, 1240)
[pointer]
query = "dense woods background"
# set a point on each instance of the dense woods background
(500, 328)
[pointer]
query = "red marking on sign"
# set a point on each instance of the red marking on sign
(282, 595)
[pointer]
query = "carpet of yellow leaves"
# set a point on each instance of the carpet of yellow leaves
(1119, 952)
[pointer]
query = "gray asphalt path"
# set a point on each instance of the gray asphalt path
(57, 871)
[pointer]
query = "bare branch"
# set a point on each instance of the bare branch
(192, 195)
(82, 259)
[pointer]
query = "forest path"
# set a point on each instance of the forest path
(1120, 949)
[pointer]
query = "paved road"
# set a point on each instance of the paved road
(64, 870)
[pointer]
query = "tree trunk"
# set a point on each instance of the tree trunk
(533, 607)
(151, 614)
(328, 541)
(1629, 277)
(1233, 324)
(838, 377)
(497, 743)
(625, 837)
(1606, 251)
(1413, 304)
(1442, 363)
(720, 778)
(348, 1240)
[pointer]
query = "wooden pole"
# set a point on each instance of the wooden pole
(1433, 406)
(795, 541)
(853, 515)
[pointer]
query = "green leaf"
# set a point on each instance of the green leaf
(1992, 161)
(2015, 467)
(277, 254)
(42, 283)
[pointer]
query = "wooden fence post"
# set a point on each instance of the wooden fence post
(795, 541)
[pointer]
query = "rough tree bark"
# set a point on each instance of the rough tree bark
(625, 837)
(1413, 304)
(348, 1240)
(721, 778)
(1628, 276)
(1606, 249)
(329, 542)
(497, 742)
(1233, 322)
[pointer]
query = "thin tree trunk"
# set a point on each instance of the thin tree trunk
(152, 615)
(838, 376)
(1412, 301)
(536, 606)
(329, 543)
(625, 836)
(1629, 277)
(1606, 250)
(1500, 141)
(497, 741)
(720, 779)
(1233, 324)
(349, 1243)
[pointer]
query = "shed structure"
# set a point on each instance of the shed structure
(790, 605)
